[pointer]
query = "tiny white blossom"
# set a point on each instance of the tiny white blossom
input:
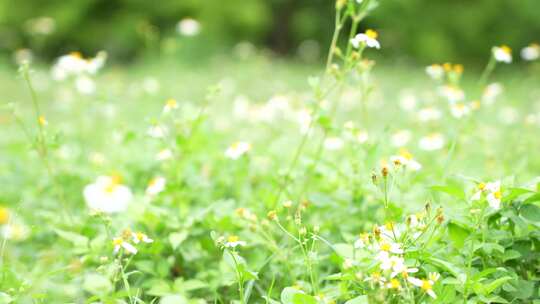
(369, 39)
(531, 52)
(237, 149)
(188, 27)
(432, 142)
(107, 195)
(502, 53)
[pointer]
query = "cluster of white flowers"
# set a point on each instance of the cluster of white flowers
(75, 65)
(127, 238)
(237, 149)
(492, 193)
(392, 271)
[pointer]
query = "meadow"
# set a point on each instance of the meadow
(256, 179)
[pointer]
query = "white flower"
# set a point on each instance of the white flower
(435, 71)
(494, 195)
(432, 142)
(429, 114)
(85, 85)
(164, 154)
(362, 241)
(188, 27)
(502, 53)
(237, 149)
(369, 39)
(74, 64)
(107, 195)
(401, 138)
(139, 237)
(491, 92)
(405, 158)
(119, 243)
(170, 105)
(156, 185)
(404, 271)
(460, 110)
(407, 102)
(156, 131)
(394, 263)
(233, 241)
(362, 136)
(333, 143)
(451, 93)
(531, 52)
(425, 285)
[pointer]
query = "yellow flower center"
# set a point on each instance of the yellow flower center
(140, 236)
(506, 49)
(394, 284)
(385, 247)
(458, 68)
(426, 285)
(117, 242)
(372, 34)
(233, 239)
(375, 276)
(447, 66)
(4, 215)
(482, 186)
(42, 121)
(404, 274)
(406, 154)
(171, 103)
(497, 194)
(76, 54)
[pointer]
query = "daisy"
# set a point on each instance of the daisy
(531, 52)
(237, 149)
(502, 53)
(233, 241)
(376, 278)
(429, 114)
(459, 110)
(406, 159)
(170, 105)
(107, 195)
(139, 237)
(451, 93)
(188, 27)
(164, 154)
(435, 71)
(120, 243)
(156, 185)
(369, 39)
(362, 136)
(491, 92)
(362, 241)
(425, 285)
(432, 142)
(156, 131)
(401, 138)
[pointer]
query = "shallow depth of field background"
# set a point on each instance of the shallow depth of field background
(256, 51)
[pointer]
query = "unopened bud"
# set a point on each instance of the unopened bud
(272, 215)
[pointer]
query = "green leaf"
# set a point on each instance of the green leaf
(530, 212)
(454, 191)
(177, 238)
(358, 300)
(533, 198)
(458, 234)
(301, 298)
(173, 299)
(97, 284)
(287, 294)
(80, 241)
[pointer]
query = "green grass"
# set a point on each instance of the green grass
(65, 254)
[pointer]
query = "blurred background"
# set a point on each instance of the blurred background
(418, 31)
